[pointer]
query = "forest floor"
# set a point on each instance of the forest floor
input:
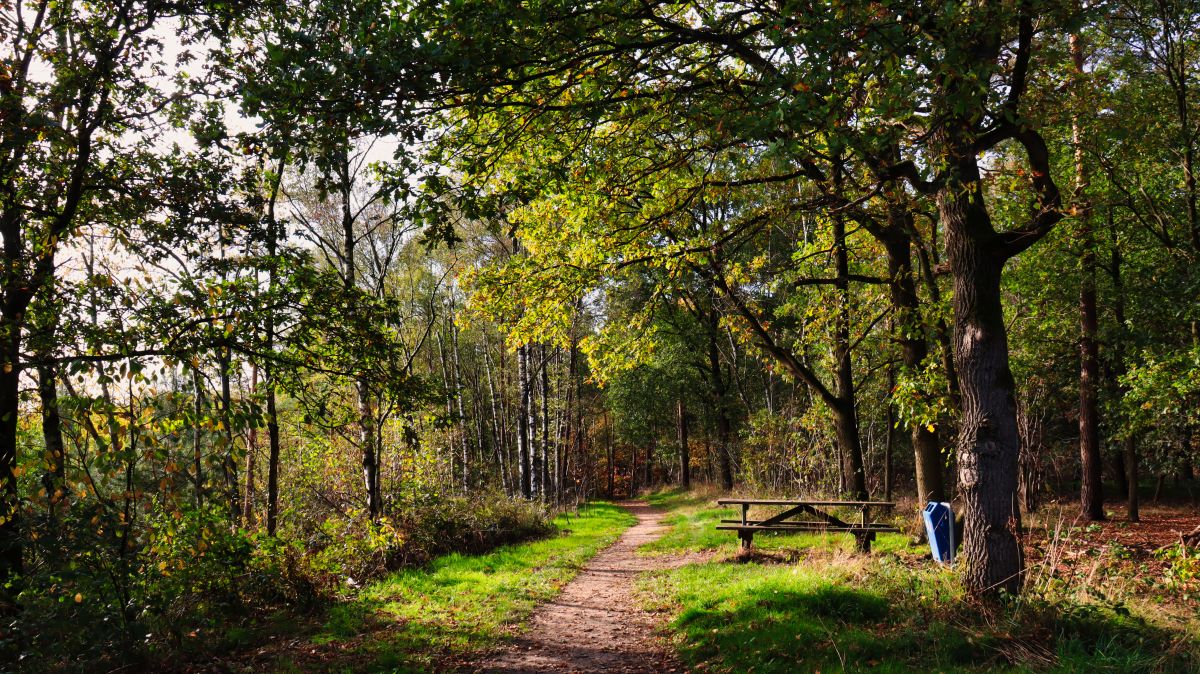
(654, 587)
(597, 624)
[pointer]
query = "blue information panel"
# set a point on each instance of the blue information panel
(939, 524)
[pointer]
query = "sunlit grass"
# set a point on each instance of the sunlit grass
(812, 604)
(460, 604)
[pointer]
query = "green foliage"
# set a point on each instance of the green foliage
(426, 525)
(1183, 570)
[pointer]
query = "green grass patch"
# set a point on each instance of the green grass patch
(828, 609)
(460, 604)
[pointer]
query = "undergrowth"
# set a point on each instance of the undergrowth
(188, 586)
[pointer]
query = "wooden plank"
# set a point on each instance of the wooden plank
(825, 516)
(806, 526)
(775, 519)
(822, 504)
(839, 530)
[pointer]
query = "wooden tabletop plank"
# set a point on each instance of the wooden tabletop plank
(884, 529)
(781, 502)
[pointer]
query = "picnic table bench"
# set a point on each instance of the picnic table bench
(804, 515)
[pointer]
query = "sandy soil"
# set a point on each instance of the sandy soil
(596, 624)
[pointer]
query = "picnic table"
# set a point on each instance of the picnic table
(805, 515)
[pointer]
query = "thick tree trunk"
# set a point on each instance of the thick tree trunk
(685, 458)
(988, 446)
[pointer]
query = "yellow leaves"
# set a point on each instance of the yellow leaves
(78, 598)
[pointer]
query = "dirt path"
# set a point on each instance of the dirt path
(595, 625)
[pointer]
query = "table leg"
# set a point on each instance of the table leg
(745, 539)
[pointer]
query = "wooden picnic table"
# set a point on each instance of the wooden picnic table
(805, 515)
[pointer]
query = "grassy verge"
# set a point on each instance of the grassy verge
(460, 604)
(811, 604)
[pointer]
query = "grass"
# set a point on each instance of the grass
(830, 610)
(461, 604)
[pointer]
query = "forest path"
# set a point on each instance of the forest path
(596, 624)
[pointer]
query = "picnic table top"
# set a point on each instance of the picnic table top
(798, 502)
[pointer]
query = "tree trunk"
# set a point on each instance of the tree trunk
(197, 433)
(890, 441)
(268, 371)
(633, 471)
(272, 457)
(685, 459)
(1131, 466)
(610, 463)
(649, 465)
(458, 396)
(497, 437)
(545, 409)
(251, 455)
(11, 553)
(370, 460)
(913, 347)
(845, 418)
(1091, 495)
(54, 479)
(524, 461)
(228, 460)
(1119, 472)
(987, 445)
